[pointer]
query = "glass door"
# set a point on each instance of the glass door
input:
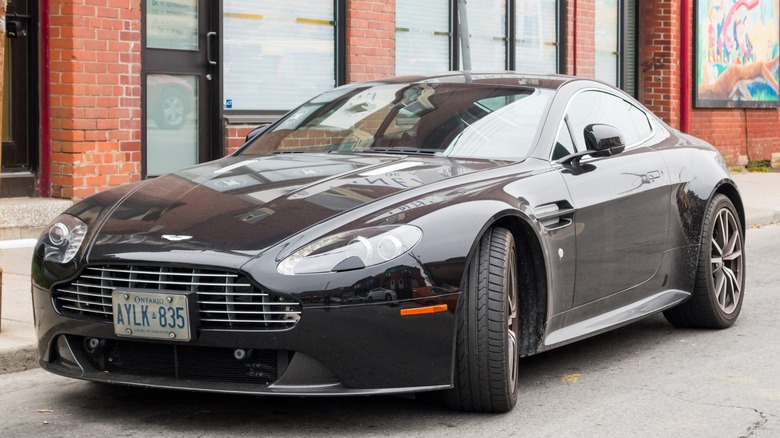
(20, 96)
(179, 82)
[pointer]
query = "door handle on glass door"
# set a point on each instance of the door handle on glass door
(209, 37)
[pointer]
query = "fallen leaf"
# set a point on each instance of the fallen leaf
(571, 378)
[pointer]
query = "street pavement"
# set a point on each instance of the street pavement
(760, 193)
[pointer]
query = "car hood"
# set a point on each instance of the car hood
(244, 205)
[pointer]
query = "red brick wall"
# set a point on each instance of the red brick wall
(95, 66)
(659, 56)
(740, 134)
(235, 135)
(370, 39)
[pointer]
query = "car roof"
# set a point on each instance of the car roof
(507, 78)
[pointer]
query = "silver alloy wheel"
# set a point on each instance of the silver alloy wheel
(512, 326)
(726, 261)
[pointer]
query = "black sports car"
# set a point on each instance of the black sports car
(538, 209)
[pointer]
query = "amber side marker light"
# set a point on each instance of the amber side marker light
(424, 310)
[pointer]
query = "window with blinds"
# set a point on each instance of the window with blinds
(606, 37)
(536, 34)
(277, 53)
(488, 39)
(422, 36)
(628, 58)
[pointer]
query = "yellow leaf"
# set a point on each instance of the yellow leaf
(571, 378)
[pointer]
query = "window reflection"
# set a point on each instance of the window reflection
(171, 123)
(476, 121)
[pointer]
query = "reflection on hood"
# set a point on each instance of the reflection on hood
(248, 204)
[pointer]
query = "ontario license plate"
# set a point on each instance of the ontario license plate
(151, 315)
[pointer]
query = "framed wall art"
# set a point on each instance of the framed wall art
(736, 53)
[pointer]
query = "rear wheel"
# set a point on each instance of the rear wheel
(720, 277)
(487, 347)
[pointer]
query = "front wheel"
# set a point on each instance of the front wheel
(486, 367)
(720, 277)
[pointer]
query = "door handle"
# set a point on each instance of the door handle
(653, 174)
(209, 37)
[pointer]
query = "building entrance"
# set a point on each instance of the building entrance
(180, 70)
(20, 137)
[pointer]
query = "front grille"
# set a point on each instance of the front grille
(184, 362)
(225, 299)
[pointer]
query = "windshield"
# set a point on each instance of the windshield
(454, 120)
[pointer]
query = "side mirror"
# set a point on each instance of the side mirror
(604, 140)
(256, 132)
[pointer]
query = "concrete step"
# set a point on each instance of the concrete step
(25, 218)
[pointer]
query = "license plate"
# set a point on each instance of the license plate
(151, 315)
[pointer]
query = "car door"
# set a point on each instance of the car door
(621, 201)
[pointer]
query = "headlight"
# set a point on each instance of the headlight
(352, 250)
(63, 239)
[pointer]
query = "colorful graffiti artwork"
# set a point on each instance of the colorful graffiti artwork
(736, 51)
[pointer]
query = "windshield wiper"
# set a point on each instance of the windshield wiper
(402, 151)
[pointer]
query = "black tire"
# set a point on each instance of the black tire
(720, 276)
(388, 297)
(172, 110)
(487, 344)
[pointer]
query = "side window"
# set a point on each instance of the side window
(640, 121)
(563, 143)
(599, 107)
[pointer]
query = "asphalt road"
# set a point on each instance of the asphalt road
(648, 379)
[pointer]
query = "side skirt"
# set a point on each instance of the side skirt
(616, 318)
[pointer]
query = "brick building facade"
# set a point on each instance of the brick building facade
(97, 63)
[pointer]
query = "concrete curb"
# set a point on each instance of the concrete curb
(17, 359)
(18, 351)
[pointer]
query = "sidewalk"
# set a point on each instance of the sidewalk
(760, 194)
(17, 336)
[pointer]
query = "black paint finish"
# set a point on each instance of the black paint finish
(611, 232)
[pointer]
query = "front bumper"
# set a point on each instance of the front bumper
(367, 348)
